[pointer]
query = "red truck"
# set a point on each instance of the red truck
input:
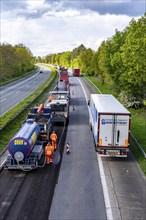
(64, 76)
(76, 72)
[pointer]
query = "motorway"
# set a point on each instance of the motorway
(84, 187)
(11, 95)
(90, 186)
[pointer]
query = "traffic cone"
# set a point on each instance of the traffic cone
(73, 107)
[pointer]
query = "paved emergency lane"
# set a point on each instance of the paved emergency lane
(78, 194)
(12, 94)
(124, 185)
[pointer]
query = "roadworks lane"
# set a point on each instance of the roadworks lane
(78, 194)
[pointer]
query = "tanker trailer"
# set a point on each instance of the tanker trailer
(25, 151)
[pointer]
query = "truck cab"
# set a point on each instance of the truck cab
(43, 120)
(59, 106)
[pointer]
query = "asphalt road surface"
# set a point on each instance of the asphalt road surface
(28, 195)
(11, 95)
(91, 187)
(84, 187)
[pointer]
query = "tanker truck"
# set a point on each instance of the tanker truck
(25, 148)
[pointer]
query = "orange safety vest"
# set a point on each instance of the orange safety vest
(49, 150)
(53, 137)
(51, 98)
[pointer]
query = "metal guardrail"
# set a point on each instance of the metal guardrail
(138, 145)
(27, 106)
(4, 152)
(132, 136)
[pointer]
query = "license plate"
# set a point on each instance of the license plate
(113, 152)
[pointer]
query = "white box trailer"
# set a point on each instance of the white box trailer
(110, 124)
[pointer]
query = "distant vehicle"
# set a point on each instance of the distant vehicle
(41, 71)
(64, 76)
(55, 66)
(61, 86)
(59, 106)
(76, 72)
(110, 124)
(58, 95)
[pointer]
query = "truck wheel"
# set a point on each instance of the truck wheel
(90, 127)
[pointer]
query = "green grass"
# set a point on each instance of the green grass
(24, 103)
(5, 81)
(137, 121)
(138, 124)
(10, 130)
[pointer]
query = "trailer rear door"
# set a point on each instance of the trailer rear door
(114, 130)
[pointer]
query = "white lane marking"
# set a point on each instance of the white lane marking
(2, 100)
(93, 85)
(102, 175)
(24, 81)
(6, 95)
(19, 83)
(83, 91)
(18, 91)
(105, 190)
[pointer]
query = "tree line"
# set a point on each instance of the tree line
(120, 61)
(15, 61)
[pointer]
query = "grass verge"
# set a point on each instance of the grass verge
(34, 99)
(138, 125)
(12, 79)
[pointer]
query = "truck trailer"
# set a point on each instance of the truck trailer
(76, 72)
(110, 124)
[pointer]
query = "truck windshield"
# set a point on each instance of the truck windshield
(58, 108)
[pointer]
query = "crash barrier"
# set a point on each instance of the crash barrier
(138, 145)
(26, 107)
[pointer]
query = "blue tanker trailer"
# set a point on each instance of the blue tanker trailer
(25, 151)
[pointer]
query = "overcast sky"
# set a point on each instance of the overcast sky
(53, 26)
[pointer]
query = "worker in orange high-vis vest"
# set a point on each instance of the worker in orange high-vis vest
(53, 138)
(49, 150)
(51, 98)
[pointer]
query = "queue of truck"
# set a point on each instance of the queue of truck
(109, 122)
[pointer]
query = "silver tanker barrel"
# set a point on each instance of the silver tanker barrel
(22, 143)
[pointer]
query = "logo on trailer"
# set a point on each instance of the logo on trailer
(111, 121)
(103, 121)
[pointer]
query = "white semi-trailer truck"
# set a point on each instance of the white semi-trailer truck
(110, 124)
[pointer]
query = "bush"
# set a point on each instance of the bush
(129, 100)
(90, 71)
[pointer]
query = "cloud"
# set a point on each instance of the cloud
(55, 26)
(62, 32)
(10, 5)
(122, 7)
(36, 8)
